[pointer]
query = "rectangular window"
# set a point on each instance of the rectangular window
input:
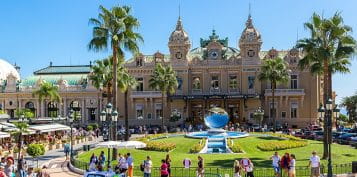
(233, 82)
(214, 83)
(158, 111)
(293, 110)
(179, 83)
(283, 115)
(251, 115)
(293, 81)
(251, 80)
(149, 116)
(139, 111)
(140, 84)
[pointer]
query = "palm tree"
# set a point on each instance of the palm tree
(125, 82)
(350, 103)
(102, 75)
(328, 50)
(115, 28)
(275, 71)
(47, 91)
(163, 79)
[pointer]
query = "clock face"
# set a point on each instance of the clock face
(214, 54)
(178, 55)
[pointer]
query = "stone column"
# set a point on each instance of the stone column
(65, 107)
(84, 118)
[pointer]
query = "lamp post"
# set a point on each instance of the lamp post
(109, 117)
(21, 121)
(326, 112)
(70, 120)
(258, 114)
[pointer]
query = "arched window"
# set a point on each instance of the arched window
(196, 83)
(52, 110)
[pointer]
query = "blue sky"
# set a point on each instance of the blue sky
(35, 32)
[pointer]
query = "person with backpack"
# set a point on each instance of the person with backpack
(146, 167)
(284, 163)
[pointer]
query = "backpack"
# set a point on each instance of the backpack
(142, 166)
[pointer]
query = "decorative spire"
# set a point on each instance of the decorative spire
(249, 23)
(179, 24)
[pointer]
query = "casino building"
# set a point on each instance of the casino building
(212, 74)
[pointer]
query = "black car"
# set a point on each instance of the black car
(343, 139)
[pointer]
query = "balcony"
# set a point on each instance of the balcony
(285, 92)
(145, 94)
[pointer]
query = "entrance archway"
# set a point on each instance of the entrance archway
(30, 106)
(52, 109)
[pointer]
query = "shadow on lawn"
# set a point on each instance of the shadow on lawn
(270, 138)
(258, 162)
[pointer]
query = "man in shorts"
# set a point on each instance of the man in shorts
(314, 163)
(276, 163)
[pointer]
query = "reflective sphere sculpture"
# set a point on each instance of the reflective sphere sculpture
(216, 118)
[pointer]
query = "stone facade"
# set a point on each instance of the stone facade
(215, 74)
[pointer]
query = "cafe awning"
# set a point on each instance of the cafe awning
(4, 135)
(49, 128)
(9, 127)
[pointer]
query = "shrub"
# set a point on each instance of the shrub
(89, 128)
(35, 150)
(154, 136)
(235, 147)
(281, 145)
(196, 148)
(284, 136)
(160, 146)
(94, 126)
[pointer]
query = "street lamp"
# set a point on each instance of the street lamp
(70, 120)
(325, 112)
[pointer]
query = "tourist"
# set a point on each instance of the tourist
(292, 166)
(314, 163)
(245, 163)
(284, 163)
(200, 167)
(168, 163)
(163, 169)
(276, 163)
(2, 173)
(3, 161)
(250, 169)
(147, 167)
(123, 166)
(93, 159)
(101, 159)
(30, 172)
(237, 169)
(9, 167)
(130, 162)
(66, 150)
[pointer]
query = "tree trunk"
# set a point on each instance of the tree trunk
(163, 113)
(126, 116)
(273, 108)
(326, 97)
(115, 77)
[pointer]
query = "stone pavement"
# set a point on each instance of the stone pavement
(58, 168)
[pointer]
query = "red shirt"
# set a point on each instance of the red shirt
(2, 174)
(164, 169)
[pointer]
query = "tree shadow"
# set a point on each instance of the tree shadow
(270, 138)
(349, 155)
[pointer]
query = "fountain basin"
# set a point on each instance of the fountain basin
(216, 134)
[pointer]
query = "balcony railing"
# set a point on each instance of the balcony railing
(285, 92)
(145, 94)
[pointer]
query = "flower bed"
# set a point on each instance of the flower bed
(160, 146)
(235, 147)
(198, 147)
(281, 145)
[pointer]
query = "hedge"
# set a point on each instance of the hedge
(196, 148)
(160, 146)
(235, 147)
(281, 145)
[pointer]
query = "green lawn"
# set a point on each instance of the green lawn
(340, 153)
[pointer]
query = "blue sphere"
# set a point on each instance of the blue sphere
(216, 118)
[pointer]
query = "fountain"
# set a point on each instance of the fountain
(216, 119)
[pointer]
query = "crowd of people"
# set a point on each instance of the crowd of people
(20, 169)
(282, 165)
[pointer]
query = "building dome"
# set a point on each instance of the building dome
(179, 36)
(7, 69)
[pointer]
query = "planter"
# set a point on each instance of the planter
(58, 146)
(90, 138)
(50, 147)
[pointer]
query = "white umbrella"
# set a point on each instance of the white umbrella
(131, 145)
(108, 144)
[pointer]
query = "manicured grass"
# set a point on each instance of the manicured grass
(340, 153)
